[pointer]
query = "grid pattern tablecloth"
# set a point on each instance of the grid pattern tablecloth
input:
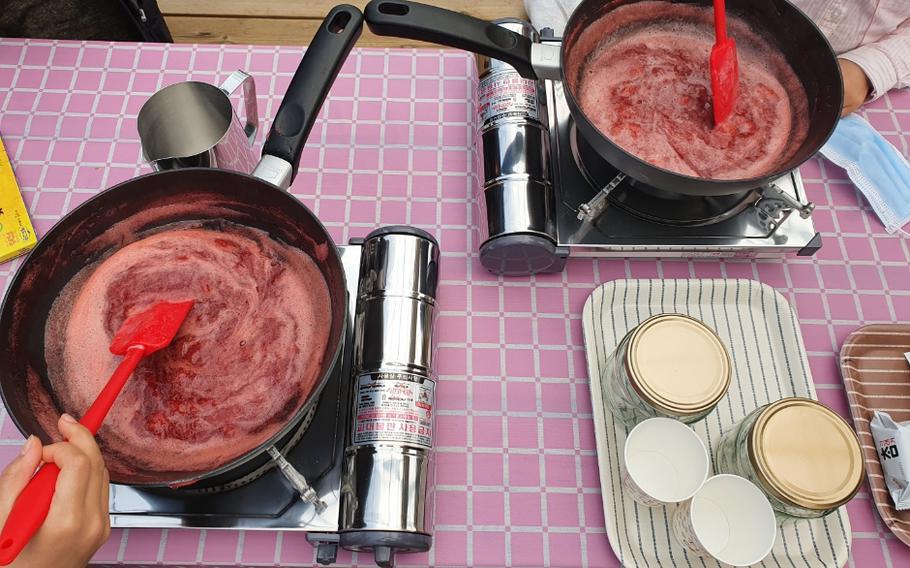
(517, 472)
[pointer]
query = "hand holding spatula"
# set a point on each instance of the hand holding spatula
(140, 335)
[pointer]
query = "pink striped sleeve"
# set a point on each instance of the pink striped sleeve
(887, 61)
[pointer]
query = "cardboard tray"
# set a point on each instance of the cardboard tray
(877, 377)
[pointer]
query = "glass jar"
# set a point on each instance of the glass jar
(670, 365)
(803, 455)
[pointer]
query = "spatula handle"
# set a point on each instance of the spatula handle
(28, 513)
(720, 21)
(95, 414)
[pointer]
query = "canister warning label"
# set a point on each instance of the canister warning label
(391, 408)
(504, 93)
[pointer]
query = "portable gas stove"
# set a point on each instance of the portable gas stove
(357, 472)
(546, 194)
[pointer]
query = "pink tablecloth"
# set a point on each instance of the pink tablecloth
(517, 474)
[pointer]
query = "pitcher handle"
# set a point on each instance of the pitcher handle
(230, 85)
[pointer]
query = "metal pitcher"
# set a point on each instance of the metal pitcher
(193, 124)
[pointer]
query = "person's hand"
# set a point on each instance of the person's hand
(78, 522)
(856, 86)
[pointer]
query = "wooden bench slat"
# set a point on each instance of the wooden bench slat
(317, 9)
(265, 31)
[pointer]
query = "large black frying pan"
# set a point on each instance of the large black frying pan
(154, 200)
(792, 32)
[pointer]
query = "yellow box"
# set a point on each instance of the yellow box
(16, 233)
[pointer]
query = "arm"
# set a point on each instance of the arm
(885, 63)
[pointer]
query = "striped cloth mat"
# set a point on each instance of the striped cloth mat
(877, 377)
(760, 330)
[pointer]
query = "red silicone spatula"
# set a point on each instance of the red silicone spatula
(724, 67)
(140, 335)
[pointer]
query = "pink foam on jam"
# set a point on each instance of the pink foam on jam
(242, 364)
(647, 87)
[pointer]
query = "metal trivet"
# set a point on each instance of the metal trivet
(259, 472)
(652, 204)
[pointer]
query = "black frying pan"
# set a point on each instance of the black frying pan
(207, 195)
(792, 32)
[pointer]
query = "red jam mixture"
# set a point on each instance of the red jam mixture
(242, 364)
(647, 87)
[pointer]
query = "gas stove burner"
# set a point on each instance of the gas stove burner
(545, 195)
(263, 498)
(259, 472)
(331, 480)
(653, 204)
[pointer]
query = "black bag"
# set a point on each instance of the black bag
(106, 20)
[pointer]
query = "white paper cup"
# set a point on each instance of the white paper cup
(664, 462)
(729, 519)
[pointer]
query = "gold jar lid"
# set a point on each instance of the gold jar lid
(677, 364)
(805, 454)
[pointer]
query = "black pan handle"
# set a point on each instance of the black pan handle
(311, 83)
(412, 20)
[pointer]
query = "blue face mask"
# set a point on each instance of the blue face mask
(875, 166)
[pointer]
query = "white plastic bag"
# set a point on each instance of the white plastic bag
(892, 442)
